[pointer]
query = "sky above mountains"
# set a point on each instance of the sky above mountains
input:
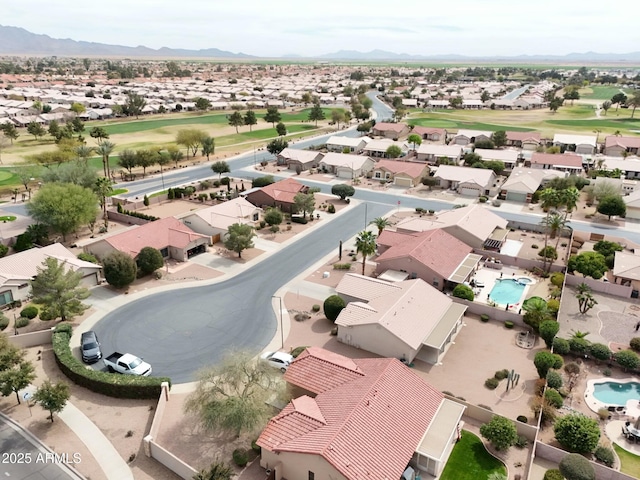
(281, 27)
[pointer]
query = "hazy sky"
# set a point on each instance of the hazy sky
(278, 27)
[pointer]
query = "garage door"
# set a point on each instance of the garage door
(633, 213)
(517, 197)
(469, 192)
(402, 182)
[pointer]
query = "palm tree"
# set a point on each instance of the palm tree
(549, 198)
(83, 152)
(104, 150)
(381, 223)
(103, 188)
(536, 312)
(365, 245)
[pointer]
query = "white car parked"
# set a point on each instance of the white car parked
(279, 360)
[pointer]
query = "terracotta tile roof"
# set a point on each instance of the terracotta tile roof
(624, 142)
(427, 130)
(522, 136)
(167, 232)
(412, 169)
(373, 423)
(565, 159)
(390, 127)
(284, 190)
(438, 250)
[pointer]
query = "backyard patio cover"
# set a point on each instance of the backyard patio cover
(467, 266)
(436, 439)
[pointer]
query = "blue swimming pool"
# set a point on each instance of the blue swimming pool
(507, 291)
(614, 393)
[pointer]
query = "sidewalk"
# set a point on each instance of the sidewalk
(112, 464)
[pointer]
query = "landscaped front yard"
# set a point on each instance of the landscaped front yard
(469, 460)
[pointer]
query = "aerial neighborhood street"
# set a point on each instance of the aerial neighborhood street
(348, 265)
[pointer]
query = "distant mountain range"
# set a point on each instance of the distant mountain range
(18, 41)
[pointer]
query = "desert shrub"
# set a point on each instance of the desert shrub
(315, 308)
(553, 474)
(301, 220)
(508, 324)
(491, 383)
(561, 346)
(484, 318)
(521, 441)
(87, 257)
(3, 250)
(576, 467)
(578, 345)
(635, 344)
(29, 312)
(577, 433)
(331, 208)
(557, 279)
(22, 322)
(240, 457)
(572, 368)
(604, 455)
(255, 447)
(464, 292)
(627, 359)
(500, 431)
(539, 386)
(332, 307)
(553, 306)
(599, 351)
(603, 413)
(548, 330)
(4, 322)
(148, 260)
(522, 419)
(297, 351)
(554, 398)
(262, 224)
(606, 372)
(501, 374)
(342, 266)
(47, 315)
(554, 379)
(482, 199)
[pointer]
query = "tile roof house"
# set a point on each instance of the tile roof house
(473, 224)
(403, 174)
(378, 148)
(584, 144)
(430, 153)
(390, 130)
(169, 235)
(626, 269)
(466, 180)
(524, 140)
(345, 165)
(621, 146)
(17, 270)
(508, 156)
(567, 162)
(361, 419)
(523, 183)
(408, 320)
(338, 144)
(214, 221)
(465, 137)
(430, 134)
(279, 194)
(630, 166)
(294, 158)
(632, 202)
(435, 256)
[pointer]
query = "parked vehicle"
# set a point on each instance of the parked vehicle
(278, 360)
(90, 347)
(127, 364)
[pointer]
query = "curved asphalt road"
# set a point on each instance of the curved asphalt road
(179, 332)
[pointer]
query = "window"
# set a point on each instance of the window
(164, 252)
(6, 297)
(256, 216)
(377, 175)
(312, 475)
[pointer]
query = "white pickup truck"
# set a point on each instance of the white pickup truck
(127, 364)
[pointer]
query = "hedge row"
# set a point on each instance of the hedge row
(111, 384)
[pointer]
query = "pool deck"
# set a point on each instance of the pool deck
(632, 407)
(613, 430)
(489, 277)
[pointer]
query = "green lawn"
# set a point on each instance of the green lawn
(247, 136)
(469, 460)
(7, 177)
(442, 123)
(630, 463)
(118, 191)
(599, 92)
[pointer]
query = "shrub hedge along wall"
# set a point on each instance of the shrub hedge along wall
(111, 384)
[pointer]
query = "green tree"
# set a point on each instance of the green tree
(239, 237)
(576, 467)
(191, 139)
(612, 205)
(16, 372)
(600, 351)
(627, 359)
(536, 312)
(316, 113)
(260, 182)
(52, 397)
(499, 138)
(366, 246)
(393, 151)
(464, 292)
(555, 104)
(332, 307)
(585, 299)
(78, 108)
(619, 99)
(99, 133)
(548, 330)
(128, 160)
(149, 260)
(606, 105)
(381, 223)
(105, 149)
(220, 167)
(589, 264)
(343, 190)
(305, 203)
(415, 139)
(634, 102)
(236, 120)
(273, 216)
(35, 129)
(208, 146)
(145, 158)
(119, 269)
(545, 361)
(500, 431)
(234, 395)
(337, 116)
(250, 119)
(275, 146)
(175, 155)
(63, 207)
(202, 104)
(281, 129)
(554, 379)
(54, 130)
(577, 432)
(10, 131)
(272, 115)
(58, 289)
(134, 104)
